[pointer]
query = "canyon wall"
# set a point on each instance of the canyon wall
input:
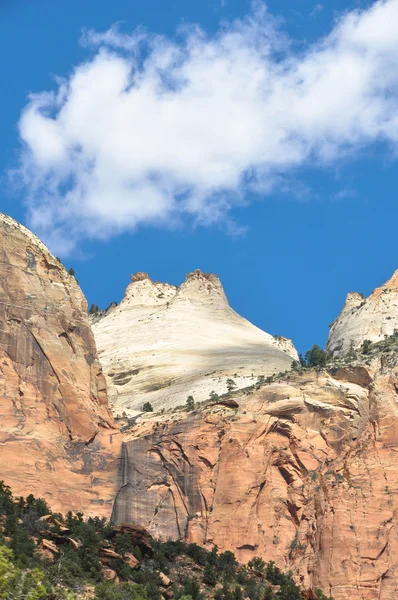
(57, 436)
(303, 471)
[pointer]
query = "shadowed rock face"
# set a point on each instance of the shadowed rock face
(163, 344)
(304, 472)
(57, 436)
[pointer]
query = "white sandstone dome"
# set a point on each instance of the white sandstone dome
(163, 343)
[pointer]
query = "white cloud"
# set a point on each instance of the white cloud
(151, 131)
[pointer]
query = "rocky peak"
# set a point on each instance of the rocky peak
(198, 287)
(353, 299)
(164, 343)
(140, 276)
(363, 319)
(203, 277)
(202, 287)
(142, 291)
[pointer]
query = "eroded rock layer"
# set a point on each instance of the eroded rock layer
(303, 472)
(163, 343)
(57, 437)
(363, 319)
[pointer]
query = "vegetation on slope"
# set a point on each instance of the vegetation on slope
(46, 557)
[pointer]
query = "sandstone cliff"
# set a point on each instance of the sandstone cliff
(303, 472)
(163, 343)
(57, 437)
(365, 318)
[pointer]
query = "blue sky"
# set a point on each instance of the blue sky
(289, 226)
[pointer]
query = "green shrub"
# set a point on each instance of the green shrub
(366, 347)
(124, 591)
(209, 575)
(257, 563)
(19, 584)
(197, 553)
(191, 588)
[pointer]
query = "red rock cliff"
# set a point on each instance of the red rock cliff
(57, 437)
(304, 472)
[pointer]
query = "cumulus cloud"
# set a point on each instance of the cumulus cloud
(156, 131)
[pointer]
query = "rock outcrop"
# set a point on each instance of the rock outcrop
(163, 343)
(57, 436)
(363, 319)
(304, 472)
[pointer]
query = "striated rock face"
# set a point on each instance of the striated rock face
(57, 437)
(365, 318)
(303, 472)
(163, 343)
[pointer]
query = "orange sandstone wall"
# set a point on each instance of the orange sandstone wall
(57, 437)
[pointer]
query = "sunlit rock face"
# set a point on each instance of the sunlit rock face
(303, 472)
(57, 437)
(164, 343)
(365, 318)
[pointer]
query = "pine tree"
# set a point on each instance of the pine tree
(316, 357)
(231, 385)
(209, 575)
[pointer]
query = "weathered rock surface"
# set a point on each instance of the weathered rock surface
(365, 318)
(163, 343)
(304, 472)
(57, 437)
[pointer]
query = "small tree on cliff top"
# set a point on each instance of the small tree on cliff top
(316, 357)
(190, 403)
(231, 385)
